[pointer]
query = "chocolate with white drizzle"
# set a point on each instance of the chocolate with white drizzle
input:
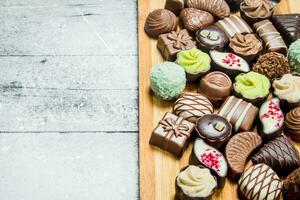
(271, 37)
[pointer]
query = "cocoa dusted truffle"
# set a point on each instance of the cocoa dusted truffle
(174, 5)
(194, 19)
(160, 21)
(273, 65)
(292, 124)
(291, 186)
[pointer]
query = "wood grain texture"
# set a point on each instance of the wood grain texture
(158, 169)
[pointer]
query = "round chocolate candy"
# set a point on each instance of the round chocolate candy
(214, 129)
(194, 19)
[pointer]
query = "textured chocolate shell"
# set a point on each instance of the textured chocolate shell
(292, 124)
(218, 8)
(160, 21)
(238, 150)
(194, 19)
(291, 186)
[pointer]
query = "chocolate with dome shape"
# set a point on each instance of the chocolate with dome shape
(259, 182)
(239, 113)
(280, 154)
(160, 21)
(238, 150)
(271, 119)
(174, 5)
(292, 124)
(194, 19)
(214, 129)
(208, 156)
(291, 186)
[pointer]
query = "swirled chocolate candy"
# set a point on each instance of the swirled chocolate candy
(272, 39)
(160, 21)
(239, 113)
(259, 182)
(219, 8)
(292, 124)
(194, 19)
(216, 86)
(194, 182)
(238, 150)
(191, 106)
(211, 37)
(271, 119)
(228, 63)
(174, 5)
(288, 26)
(233, 25)
(291, 186)
(170, 44)
(207, 156)
(172, 134)
(280, 154)
(214, 129)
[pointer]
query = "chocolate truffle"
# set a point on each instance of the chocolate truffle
(233, 25)
(207, 156)
(287, 89)
(192, 106)
(195, 63)
(228, 63)
(288, 26)
(219, 8)
(273, 65)
(170, 44)
(238, 150)
(253, 11)
(167, 80)
(294, 57)
(234, 4)
(160, 21)
(194, 19)
(172, 134)
(259, 182)
(194, 182)
(216, 86)
(239, 113)
(214, 129)
(272, 39)
(248, 46)
(291, 186)
(292, 124)
(280, 154)
(211, 37)
(252, 87)
(174, 5)
(271, 119)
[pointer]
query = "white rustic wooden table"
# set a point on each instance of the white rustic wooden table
(68, 100)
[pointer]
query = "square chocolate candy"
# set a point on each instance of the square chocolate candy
(169, 44)
(172, 134)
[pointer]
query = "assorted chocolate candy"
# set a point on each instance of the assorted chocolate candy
(249, 77)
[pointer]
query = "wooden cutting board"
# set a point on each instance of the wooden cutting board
(158, 168)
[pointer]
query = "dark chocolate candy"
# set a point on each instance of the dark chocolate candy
(280, 154)
(172, 134)
(211, 37)
(194, 19)
(291, 186)
(234, 4)
(174, 5)
(208, 156)
(214, 129)
(288, 26)
(170, 44)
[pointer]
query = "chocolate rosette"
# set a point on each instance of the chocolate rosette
(256, 10)
(292, 124)
(160, 21)
(273, 65)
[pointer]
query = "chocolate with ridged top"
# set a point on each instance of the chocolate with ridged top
(174, 5)
(291, 186)
(292, 124)
(280, 154)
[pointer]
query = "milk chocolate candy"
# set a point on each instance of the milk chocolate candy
(280, 154)
(207, 156)
(272, 39)
(259, 182)
(238, 150)
(271, 119)
(191, 106)
(233, 25)
(194, 19)
(288, 26)
(292, 124)
(291, 186)
(174, 5)
(170, 44)
(239, 113)
(172, 134)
